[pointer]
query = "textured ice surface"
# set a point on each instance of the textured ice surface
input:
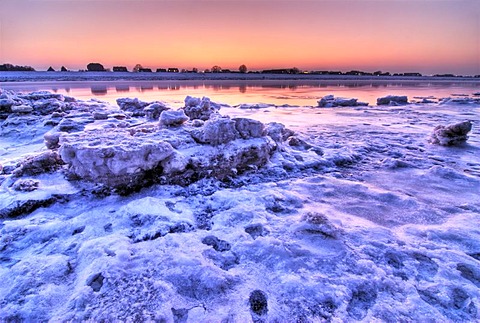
(358, 217)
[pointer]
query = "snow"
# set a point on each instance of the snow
(353, 216)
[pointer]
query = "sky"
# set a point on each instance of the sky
(427, 36)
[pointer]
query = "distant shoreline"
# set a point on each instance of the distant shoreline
(153, 76)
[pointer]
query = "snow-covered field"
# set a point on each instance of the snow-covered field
(345, 214)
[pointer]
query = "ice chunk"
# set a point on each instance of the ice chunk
(393, 100)
(153, 111)
(330, 101)
(202, 109)
(111, 158)
(171, 118)
(217, 131)
(451, 135)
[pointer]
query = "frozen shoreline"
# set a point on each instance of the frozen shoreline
(355, 216)
(143, 76)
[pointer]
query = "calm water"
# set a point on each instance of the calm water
(302, 93)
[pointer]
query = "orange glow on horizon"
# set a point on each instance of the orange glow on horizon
(428, 37)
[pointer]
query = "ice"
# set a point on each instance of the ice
(255, 106)
(202, 109)
(454, 134)
(330, 101)
(346, 215)
(393, 100)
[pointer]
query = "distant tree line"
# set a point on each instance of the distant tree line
(16, 68)
(214, 69)
(97, 67)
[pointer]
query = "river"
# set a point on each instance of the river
(234, 92)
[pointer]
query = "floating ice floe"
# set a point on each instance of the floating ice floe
(459, 100)
(330, 101)
(393, 100)
(254, 106)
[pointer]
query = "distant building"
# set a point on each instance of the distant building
(281, 71)
(145, 70)
(120, 69)
(358, 73)
(380, 73)
(173, 70)
(95, 67)
(161, 70)
(412, 74)
(319, 72)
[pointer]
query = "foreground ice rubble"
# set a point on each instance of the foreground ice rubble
(357, 220)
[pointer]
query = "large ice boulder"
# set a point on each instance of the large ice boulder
(203, 109)
(249, 128)
(112, 157)
(451, 135)
(221, 130)
(216, 131)
(330, 101)
(393, 100)
(170, 118)
(177, 154)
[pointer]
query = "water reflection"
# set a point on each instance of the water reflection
(99, 90)
(302, 92)
(122, 88)
(146, 88)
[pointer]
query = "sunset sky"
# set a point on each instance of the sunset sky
(428, 36)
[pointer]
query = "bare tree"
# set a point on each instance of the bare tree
(243, 68)
(216, 69)
(137, 68)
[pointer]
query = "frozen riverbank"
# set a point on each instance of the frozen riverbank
(111, 76)
(351, 215)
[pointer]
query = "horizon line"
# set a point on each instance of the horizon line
(344, 71)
